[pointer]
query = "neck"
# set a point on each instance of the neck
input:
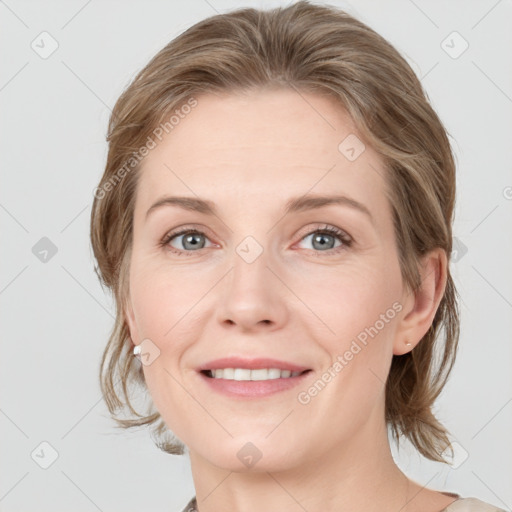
(358, 475)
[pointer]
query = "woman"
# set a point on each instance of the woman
(275, 223)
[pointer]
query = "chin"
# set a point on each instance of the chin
(248, 454)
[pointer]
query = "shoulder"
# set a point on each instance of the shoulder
(460, 505)
(191, 506)
(472, 505)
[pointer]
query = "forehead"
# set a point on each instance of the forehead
(271, 143)
(284, 121)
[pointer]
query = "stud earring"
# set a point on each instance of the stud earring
(408, 344)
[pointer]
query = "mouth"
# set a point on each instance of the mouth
(242, 378)
(256, 374)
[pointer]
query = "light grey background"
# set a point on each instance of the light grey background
(56, 318)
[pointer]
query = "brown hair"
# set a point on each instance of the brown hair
(318, 49)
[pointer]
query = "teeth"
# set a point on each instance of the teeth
(258, 374)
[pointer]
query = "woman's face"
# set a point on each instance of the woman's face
(259, 280)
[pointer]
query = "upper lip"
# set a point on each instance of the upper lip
(251, 364)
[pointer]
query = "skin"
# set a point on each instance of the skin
(249, 153)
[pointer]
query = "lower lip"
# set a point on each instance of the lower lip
(253, 388)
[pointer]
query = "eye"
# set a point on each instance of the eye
(191, 241)
(321, 238)
(324, 238)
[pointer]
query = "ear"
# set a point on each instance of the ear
(420, 306)
(130, 320)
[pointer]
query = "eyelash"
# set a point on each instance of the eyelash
(329, 230)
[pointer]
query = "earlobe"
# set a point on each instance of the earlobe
(422, 304)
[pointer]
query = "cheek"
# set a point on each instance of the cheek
(348, 299)
(363, 318)
(360, 312)
(161, 297)
(167, 304)
(162, 305)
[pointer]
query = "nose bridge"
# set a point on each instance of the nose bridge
(250, 272)
(250, 250)
(251, 295)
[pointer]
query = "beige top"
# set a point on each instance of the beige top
(459, 505)
(471, 505)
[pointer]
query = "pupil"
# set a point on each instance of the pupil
(190, 239)
(321, 239)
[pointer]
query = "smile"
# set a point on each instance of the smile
(243, 384)
(240, 374)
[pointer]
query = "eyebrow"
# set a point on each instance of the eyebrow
(293, 205)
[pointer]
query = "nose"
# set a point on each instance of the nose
(253, 295)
